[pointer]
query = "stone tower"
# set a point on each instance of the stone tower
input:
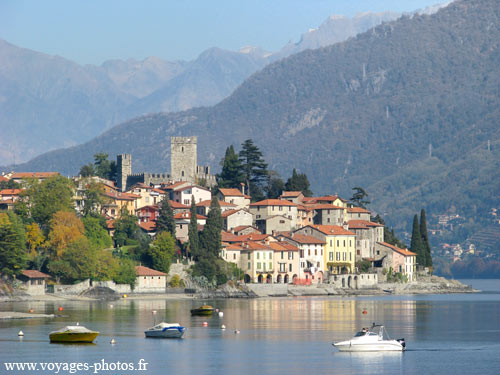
(183, 158)
(124, 168)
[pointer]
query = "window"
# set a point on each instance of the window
(182, 173)
(258, 255)
(258, 265)
(338, 243)
(378, 252)
(350, 256)
(282, 267)
(180, 225)
(282, 221)
(309, 252)
(328, 220)
(270, 255)
(350, 244)
(337, 256)
(330, 256)
(344, 243)
(331, 244)
(281, 208)
(315, 252)
(290, 267)
(282, 254)
(234, 256)
(302, 253)
(249, 265)
(182, 149)
(290, 255)
(248, 256)
(344, 256)
(270, 266)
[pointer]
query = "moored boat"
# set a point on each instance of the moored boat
(77, 334)
(165, 330)
(203, 310)
(370, 340)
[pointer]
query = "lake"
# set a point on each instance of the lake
(455, 334)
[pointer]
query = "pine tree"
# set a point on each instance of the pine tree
(232, 172)
(13, 255)
(416, 242)
(299, 182)
(211, 235)
(165, 221)
(194, 241)
(275, 185)
(254, 169)
(359, 197)
(425, 239)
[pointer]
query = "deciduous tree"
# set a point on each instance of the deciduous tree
(65, 227)
(162, 251)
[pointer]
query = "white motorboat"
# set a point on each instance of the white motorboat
(166, 330)
(370, 340)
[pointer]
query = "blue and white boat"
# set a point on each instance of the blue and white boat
(166, 331)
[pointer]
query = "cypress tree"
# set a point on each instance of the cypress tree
(232, 174)
(416, 242)
(425, 239)
(165, 221)
(211, 235)
(254, 169)
(299, 182)
(194, 241)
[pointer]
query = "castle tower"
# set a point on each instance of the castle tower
(124, 168)
(183, 158)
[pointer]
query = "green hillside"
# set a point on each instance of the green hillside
(360, 113)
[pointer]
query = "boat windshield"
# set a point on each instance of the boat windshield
(360, 333)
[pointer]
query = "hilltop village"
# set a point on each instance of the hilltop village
(292, 239)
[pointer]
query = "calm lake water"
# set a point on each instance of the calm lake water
(445, 334)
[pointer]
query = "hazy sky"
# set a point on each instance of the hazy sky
(92, 31)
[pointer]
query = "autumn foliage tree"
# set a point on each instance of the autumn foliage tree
(65, 227)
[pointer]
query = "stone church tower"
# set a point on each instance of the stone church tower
(183, 158)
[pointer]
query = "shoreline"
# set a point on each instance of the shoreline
(425, 286)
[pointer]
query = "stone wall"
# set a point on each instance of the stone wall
(354, 281)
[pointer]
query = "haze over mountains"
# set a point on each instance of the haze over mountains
(405, 110)
(48, 102)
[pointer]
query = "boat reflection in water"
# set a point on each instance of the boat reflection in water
(370, 340)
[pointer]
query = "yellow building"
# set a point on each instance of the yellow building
(340, 246)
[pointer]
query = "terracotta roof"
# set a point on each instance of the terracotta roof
(325, 198)
(153, 207)
(187, 215)
(404, 252)
(10, 191)
(178, 205)
(358, 210)
(110, 224)
(363, 224)
(206, 203)
(174, 185)
(2, 178)
(146, 271)
(282, 246)
(230, 192)
(233, 246)
(228, 237)
(33, 274)
(304, 208)
(332, 230)
(326, 206)
(252, 237)
(192, 186)
(254, 245)
(148, 226)
(303, 238)
(229, 213)
(33, 175)
(273, 202)
(291, 194)
(122, 196)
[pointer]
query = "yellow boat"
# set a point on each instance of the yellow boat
(203, 310)
(73, 334)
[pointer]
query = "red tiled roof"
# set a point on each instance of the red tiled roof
(178, 205)
(291, 194)
(192, 186)
(282, 246)
(10, 191)
(148, 226)
(332, 229)
(18, 175)
(231, 192)
(2, 178)
(241, 227)
(229, 213)
(33, 274)
(404, 252)
(254, 245)
(233, 246)
(302, 238)
(325, 198)
(122, 196)
(146, 271)
(273, 202)
(110, 224)
(228, 237)
(363, 224)
(358, 210)
(153, 207)
(175, 185)
(253, 237)
(326, 206)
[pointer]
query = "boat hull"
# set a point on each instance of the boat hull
(387, 346)
(203, 312)
(169, 333)
(86, 337)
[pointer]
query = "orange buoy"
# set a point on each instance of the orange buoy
(31, 310)
(365, 312)
(60, 308)
(205, 324)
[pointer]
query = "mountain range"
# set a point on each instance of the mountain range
(409, 110)
(48, 102)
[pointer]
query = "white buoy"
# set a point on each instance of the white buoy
(20, 334)
(112, 341)
(111, 306)
(223, 327)
(221, 314)
(236, 332)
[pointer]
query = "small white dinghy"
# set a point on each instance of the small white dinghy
(166, 331)
(370, 340)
